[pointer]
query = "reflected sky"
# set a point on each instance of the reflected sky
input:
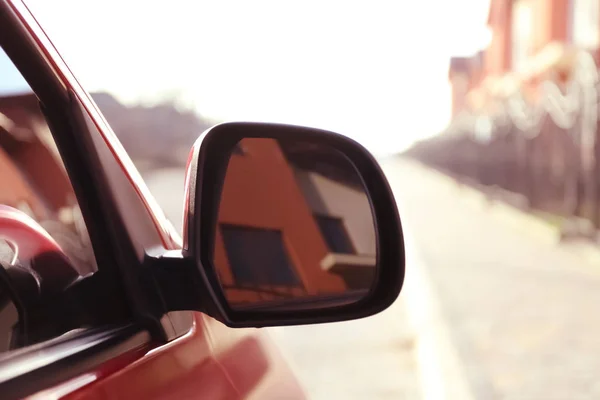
(11, 81)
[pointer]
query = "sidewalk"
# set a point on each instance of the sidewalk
(520, 311)
(514, 217)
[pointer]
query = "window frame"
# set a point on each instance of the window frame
(520, 25)
(120, 328)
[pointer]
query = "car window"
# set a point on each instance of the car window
(44, 243)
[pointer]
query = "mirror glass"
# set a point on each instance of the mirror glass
(295, 228)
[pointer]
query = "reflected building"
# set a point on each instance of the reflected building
(294, 221)
(34, 179)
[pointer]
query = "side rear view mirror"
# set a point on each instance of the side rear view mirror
(284, 225)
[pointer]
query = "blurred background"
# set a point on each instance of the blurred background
(484, 116)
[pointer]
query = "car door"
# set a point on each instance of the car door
(118, 343)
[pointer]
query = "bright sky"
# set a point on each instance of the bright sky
(372, 70)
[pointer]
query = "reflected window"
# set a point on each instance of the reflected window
(521, 31)
(258, 256)
(335, 234)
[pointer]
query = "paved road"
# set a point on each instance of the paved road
(522, 313)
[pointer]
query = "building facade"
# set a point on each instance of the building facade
(532, 41)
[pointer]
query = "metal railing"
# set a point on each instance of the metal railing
(548, 150)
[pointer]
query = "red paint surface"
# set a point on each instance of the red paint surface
(211, 362)
(26, 235)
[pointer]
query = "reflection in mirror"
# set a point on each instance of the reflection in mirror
(295, 228)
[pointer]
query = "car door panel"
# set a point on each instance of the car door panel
(211, 361)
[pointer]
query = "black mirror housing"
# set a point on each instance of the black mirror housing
(198, 284)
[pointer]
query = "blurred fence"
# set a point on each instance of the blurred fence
(548, 151)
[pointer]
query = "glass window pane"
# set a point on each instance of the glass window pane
(335, 234)
(258, 256)
(36, 201)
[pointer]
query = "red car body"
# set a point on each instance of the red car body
(208, 360)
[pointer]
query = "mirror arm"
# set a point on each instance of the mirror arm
(173, 284)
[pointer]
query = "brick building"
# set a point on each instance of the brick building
(532, 41)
